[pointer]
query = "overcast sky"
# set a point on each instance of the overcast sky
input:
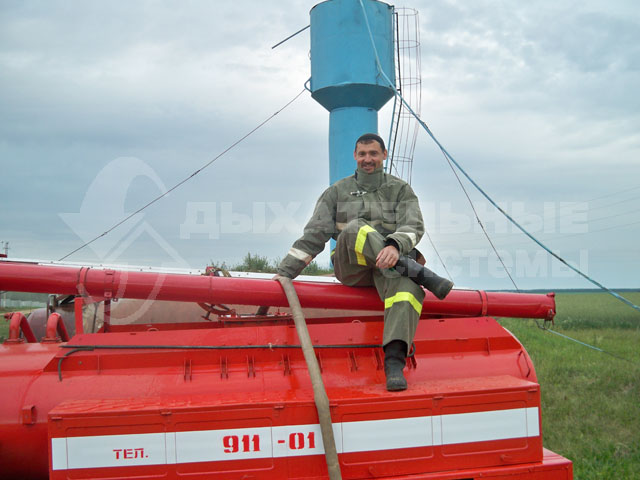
(106, 105)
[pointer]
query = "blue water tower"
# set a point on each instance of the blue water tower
(344, 74)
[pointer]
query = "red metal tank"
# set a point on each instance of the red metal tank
(231, 399)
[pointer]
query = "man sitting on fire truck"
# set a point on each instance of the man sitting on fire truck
(376, 221)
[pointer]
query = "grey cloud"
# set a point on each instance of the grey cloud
(536, 100)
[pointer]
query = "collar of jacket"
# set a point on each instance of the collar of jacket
(369, 182)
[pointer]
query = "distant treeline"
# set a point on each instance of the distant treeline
(259, 264)
(22, 299)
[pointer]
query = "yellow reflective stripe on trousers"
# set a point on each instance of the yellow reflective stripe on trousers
(360, 241)
(403, 297)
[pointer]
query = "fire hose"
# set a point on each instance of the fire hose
(319, 392)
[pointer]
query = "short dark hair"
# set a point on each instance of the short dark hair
(368, 138)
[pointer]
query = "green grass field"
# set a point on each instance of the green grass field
(590, 399)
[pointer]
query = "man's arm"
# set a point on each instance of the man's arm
(409, 223)
(318, 230)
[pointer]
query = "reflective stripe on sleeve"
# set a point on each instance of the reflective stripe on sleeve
(300, 255)
(360, 241)
(403, 297)
(412, 238)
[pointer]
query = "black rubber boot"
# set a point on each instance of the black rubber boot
(407, 267)
(395, 354)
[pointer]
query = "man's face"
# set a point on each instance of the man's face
(369, 156)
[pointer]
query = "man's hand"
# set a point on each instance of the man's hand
(388, 257)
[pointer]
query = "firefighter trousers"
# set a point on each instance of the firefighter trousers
(354, 261)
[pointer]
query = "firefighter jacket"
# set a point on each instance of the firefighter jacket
(386, 202)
